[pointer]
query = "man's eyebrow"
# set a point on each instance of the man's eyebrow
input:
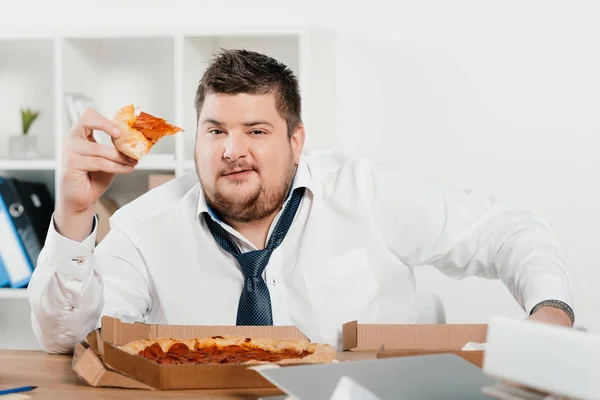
(253, 123)
(211, 121)
(247, 124)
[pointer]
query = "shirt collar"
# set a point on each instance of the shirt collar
(302, 178)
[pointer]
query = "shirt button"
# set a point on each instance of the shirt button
(79, 260)
(273, 282)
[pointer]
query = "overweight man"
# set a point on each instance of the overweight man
(262, 233)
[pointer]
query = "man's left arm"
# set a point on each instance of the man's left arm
(462, 233)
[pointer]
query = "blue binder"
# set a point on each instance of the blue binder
(15, 261)
(4, 278)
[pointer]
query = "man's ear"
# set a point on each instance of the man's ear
(297, 142)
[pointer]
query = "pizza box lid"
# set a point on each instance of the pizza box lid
(99, 361)
(360, 337)
(397, 340)
(475, 357)
(423, 377)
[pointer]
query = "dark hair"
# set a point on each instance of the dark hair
(243, 71)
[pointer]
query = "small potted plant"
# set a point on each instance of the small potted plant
(24, 146)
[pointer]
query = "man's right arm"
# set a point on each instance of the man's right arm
(74, 284)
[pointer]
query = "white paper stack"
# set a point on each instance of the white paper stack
(552, 359)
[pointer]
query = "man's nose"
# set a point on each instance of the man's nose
(235, 146)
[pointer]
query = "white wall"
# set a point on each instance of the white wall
(501, 97)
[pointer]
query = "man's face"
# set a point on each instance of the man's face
(244, 158)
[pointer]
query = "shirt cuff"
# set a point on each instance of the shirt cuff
(546, 287)
(69, 257)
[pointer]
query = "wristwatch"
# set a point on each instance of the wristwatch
(556, 304)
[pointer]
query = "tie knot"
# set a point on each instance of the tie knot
(253, 263)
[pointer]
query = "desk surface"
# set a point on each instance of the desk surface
(54, 379)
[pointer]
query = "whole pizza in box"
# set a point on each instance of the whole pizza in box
(230, 350)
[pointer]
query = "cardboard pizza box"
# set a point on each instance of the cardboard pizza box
(398, 340)
(100, 362)
(90, 368)
(155, 180)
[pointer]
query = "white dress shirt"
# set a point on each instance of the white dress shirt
(349, 255)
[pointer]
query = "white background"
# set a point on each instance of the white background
(501, 97)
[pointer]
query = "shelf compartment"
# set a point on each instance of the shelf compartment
(128, 187)
(27, 165)
(114, 72)
(27, 80)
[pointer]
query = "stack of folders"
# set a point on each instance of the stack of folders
(25, 213)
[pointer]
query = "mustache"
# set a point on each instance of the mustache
(237, 167)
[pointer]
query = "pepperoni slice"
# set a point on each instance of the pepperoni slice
(235, 349)
(149, 354)
(197, 355)
(157, 350)
(179, 349)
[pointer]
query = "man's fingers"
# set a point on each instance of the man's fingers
(97, 164)
(93, 164)
(93, 149)
(91, 120)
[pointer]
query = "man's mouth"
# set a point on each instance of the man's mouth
(238, 173)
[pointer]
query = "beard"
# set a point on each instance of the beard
(258, 204)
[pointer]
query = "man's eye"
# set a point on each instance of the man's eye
(257, 132)
(215, 131)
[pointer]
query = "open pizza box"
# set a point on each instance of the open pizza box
(99, 361)
(398, 340)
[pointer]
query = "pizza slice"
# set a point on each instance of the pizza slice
(231, 350)
(140, 132)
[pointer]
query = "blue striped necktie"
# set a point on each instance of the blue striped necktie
(255, 303)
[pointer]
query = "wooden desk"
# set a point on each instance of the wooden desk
(54, 379)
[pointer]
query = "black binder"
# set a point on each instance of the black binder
(30, 207)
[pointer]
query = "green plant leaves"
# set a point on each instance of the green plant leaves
(28, 116)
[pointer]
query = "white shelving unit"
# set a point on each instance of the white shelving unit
(8, 293)
(28, 165)
(158, 70)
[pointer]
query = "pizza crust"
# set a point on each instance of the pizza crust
(132, 142)
(320, 353)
